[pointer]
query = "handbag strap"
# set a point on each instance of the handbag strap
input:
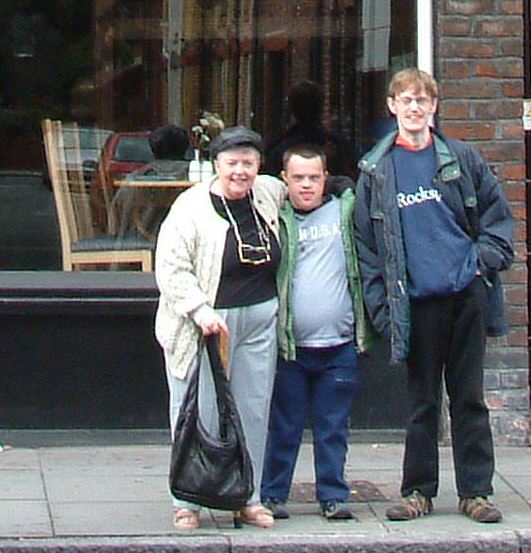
(221, 383)
(223, 394)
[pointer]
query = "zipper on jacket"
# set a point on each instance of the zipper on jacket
(401, 286)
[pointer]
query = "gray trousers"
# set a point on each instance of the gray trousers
(252, 361)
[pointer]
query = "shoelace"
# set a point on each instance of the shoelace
(417, 502)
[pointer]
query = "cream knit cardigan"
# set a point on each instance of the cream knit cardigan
(188, 261)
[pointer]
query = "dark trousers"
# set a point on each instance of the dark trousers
(323, 382)
(448, 338)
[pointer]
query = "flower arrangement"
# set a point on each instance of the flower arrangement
(210, 125)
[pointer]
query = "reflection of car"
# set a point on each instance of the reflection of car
(122, 153)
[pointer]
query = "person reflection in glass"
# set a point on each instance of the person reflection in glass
(138, 212)
(305, 107)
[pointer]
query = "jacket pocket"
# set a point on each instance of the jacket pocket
(375, 209)
(377, 222)
(167, 329)
(471, 211)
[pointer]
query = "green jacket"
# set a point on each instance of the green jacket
(289, 240)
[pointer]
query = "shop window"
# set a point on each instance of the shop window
(111, 73)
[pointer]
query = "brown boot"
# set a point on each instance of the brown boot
(480, 509)
(412, 506)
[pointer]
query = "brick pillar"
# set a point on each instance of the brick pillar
(480, 68)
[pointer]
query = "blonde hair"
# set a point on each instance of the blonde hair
(422, 81)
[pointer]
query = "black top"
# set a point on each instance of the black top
(244, 284)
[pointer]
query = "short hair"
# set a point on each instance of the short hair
(307, 151)
(169, 142)
(422, 81)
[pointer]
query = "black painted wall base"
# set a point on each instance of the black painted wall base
(77, 351)
(84, 371)
(381, 401)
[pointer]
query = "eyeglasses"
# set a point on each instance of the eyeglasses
(252, 255)
(406, 101)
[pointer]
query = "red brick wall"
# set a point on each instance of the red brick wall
(479, 63)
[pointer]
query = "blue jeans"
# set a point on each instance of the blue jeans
(322, 381)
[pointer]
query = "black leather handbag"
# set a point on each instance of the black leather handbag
(206, 470)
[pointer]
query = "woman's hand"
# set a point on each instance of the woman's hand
(213, 324)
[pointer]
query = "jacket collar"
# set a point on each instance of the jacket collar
(370, 160)
(448, 163)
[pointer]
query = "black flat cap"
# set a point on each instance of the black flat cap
(234, 137)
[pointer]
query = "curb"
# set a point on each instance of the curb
(503, 542)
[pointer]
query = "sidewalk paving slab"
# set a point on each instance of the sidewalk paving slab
(114, 498)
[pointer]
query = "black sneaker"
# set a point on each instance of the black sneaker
(277, 507)
(336, 510)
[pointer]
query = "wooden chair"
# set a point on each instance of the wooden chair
(80, 243)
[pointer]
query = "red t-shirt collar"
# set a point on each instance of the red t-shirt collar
(404, 143)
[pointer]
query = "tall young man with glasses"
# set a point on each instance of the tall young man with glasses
(320, 328)
(433, 230)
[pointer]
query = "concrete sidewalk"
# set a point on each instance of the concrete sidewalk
(114, 498)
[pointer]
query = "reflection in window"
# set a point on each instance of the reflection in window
(121, 69)
(134, 149)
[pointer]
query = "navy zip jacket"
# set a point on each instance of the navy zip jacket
(470, 189)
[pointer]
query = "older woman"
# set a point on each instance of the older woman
(216, 259)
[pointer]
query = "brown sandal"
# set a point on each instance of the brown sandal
(256, 515)
(186, 519)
